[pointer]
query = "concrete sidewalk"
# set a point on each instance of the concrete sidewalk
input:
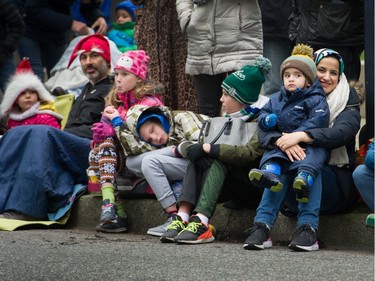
(336, 230)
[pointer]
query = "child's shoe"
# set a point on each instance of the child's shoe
(196, 232)
(161, 229)
(173, 229)
(265, 179)
(182, 148)
(109, 220)
(108, 212)
(301, 185)
(116, 226)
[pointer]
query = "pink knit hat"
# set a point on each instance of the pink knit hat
(134, 62)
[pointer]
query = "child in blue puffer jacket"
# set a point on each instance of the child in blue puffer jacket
(300, 105)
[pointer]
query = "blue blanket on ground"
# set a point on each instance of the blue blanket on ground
(39, 167)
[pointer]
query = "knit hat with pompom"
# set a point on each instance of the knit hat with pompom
(245, 84)
(302, 59)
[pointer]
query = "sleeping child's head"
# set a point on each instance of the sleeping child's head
(153, 128)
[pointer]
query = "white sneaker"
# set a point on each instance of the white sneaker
(159, 230)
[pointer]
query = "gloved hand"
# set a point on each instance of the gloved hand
(195, 152)
(269, 121)
(101, 131)
(204, 163)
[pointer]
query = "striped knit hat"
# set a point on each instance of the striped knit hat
(302, 59)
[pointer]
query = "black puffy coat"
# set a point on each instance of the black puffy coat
(332, 23)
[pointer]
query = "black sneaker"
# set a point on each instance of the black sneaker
(196, 232)
(116, 226)
(265, 179)
(173, 229)
(259, 238)
(304, 239)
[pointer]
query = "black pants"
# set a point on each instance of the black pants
(208, 90)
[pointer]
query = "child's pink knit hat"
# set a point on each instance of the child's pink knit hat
(135, 62)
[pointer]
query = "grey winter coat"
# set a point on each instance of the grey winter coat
(223, 35)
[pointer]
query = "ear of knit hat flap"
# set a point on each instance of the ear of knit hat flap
(245, 84)
(19, 83)
(135, 62)
(92, 43)
(302, 59)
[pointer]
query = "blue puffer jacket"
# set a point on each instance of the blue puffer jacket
(303, 110)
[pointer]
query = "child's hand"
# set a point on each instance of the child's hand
(269, 121)
(110, 112)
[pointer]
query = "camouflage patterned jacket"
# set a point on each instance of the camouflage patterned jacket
(185, 125)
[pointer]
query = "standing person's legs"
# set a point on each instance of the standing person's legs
(276, 49)
(208, 90)
(52, 52)
(7, 69)
(31, 48)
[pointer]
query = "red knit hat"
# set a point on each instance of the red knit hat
(92, 43)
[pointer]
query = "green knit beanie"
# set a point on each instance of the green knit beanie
(302, 59)
(245, 84)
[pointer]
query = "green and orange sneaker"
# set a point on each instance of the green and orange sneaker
(196, 232)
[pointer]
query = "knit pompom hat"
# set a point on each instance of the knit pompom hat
(22, 80)
(302, 59)
(245, 84)
(135, 62)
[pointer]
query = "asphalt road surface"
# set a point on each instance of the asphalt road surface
(68, 254)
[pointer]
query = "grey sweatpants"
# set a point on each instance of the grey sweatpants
(159, 167)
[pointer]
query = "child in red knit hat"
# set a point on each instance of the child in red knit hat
(27, 102)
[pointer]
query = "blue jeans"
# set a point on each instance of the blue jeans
(6, 71)
(276, 49)
(41, 53)
(308, 213)
(364, 180)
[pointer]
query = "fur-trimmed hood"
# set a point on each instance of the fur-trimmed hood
(19, 83)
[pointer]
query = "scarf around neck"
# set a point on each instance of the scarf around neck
(250, 111)
(337, 101)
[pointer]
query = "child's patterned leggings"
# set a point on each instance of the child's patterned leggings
(107, 159)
